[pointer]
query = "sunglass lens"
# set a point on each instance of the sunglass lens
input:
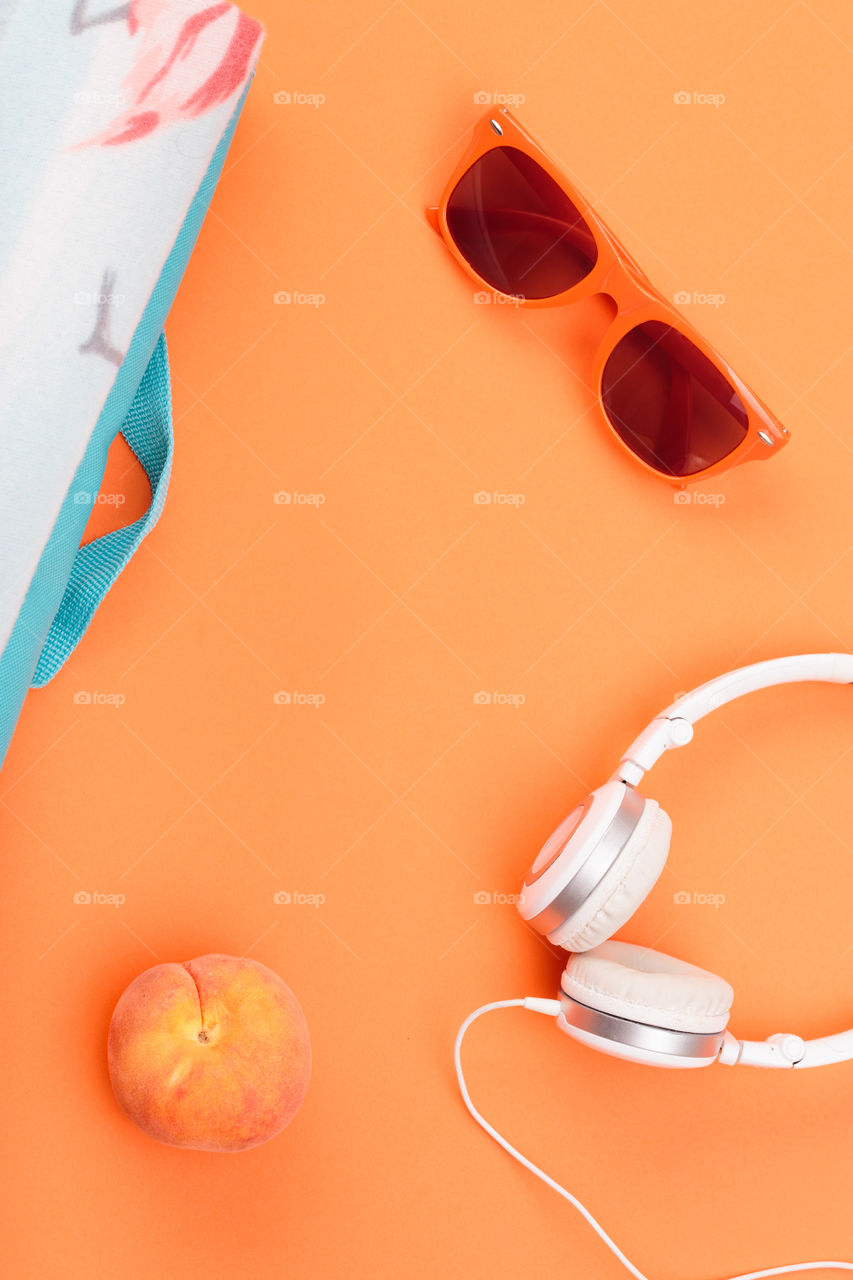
(517, 228)
(669, 403)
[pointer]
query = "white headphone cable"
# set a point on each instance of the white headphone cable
(552, 1008)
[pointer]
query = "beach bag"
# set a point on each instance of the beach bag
(115, 121)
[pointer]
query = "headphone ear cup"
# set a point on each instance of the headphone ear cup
(634, 1003)
(637, 983)
(624, 887)
(596, 868)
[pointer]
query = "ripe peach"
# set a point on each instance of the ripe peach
(212, 1054)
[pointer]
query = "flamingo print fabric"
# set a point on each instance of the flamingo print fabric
(186, 61)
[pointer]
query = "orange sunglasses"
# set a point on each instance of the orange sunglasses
(513, 220)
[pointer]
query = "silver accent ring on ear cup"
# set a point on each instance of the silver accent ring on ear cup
(640, 1035)
(595, 867)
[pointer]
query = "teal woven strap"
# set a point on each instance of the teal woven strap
(148, 431)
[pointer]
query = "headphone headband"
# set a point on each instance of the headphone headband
(674, 726)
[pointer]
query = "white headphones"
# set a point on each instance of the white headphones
(629, 1001)
(599, 865)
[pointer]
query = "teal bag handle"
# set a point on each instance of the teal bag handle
(148, 430)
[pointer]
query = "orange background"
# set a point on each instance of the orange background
(398, 599)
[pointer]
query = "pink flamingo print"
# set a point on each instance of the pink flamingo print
(186, 62)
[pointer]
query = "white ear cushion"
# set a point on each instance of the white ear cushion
(648, 986)
(624, 886)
